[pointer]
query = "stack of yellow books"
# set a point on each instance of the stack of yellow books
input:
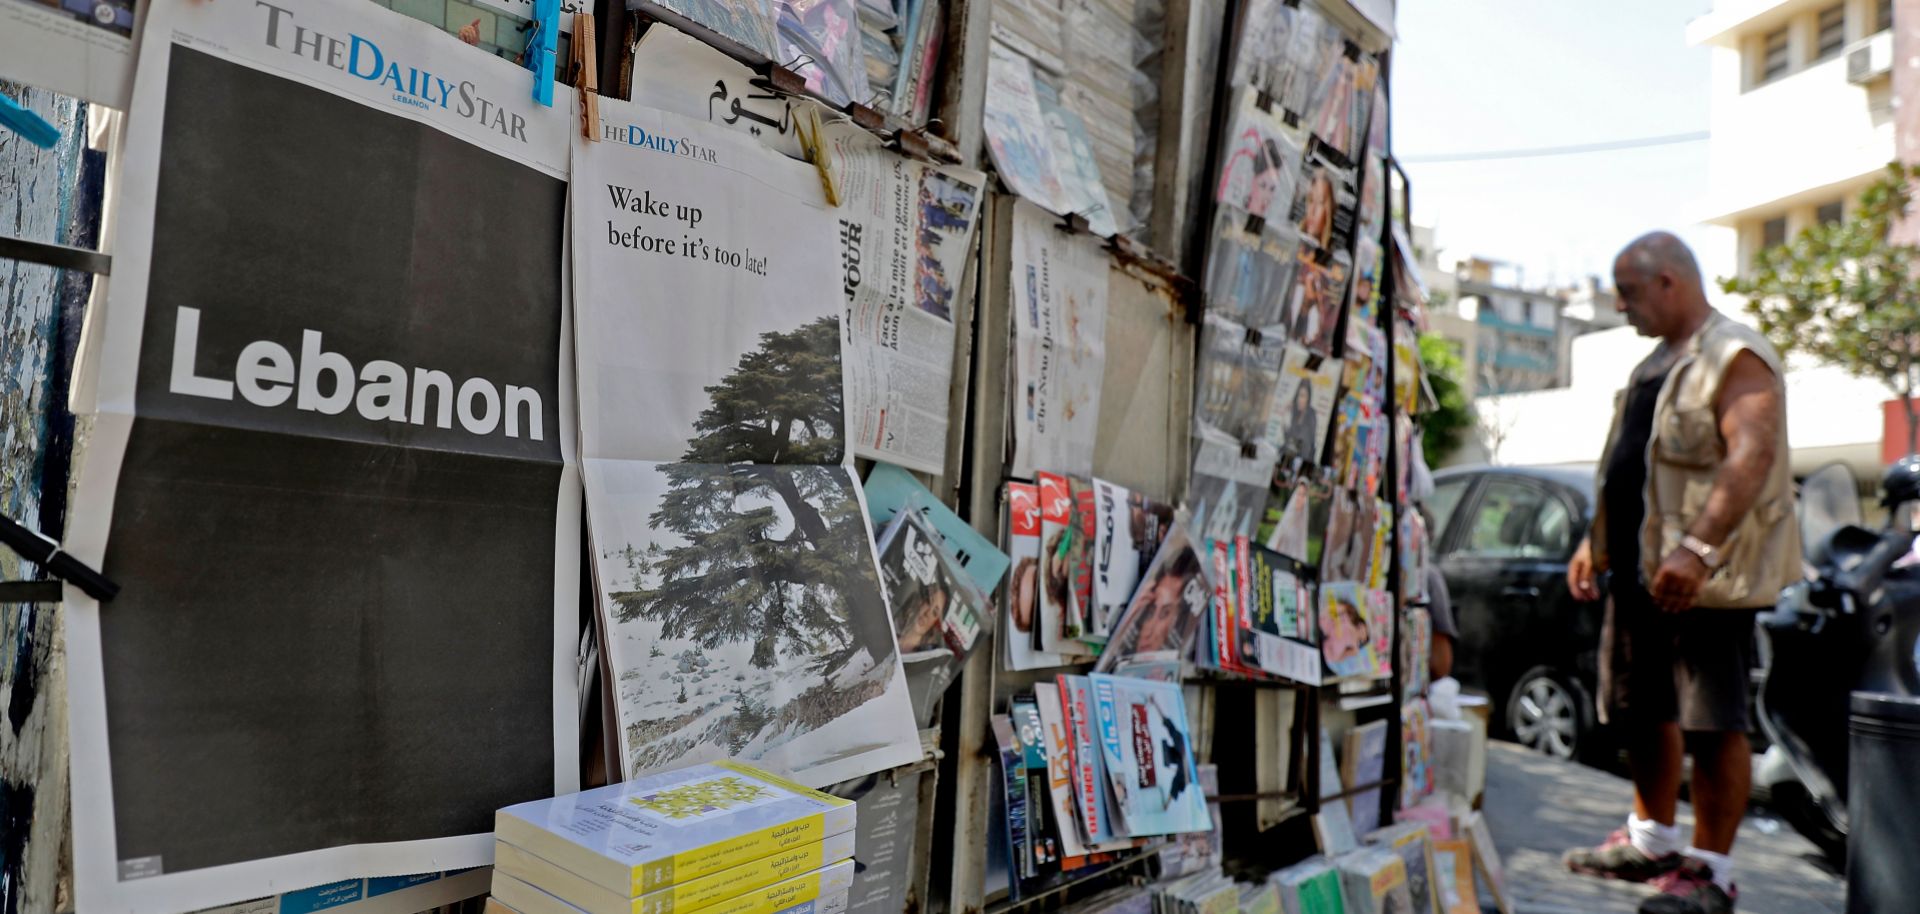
(722, 838)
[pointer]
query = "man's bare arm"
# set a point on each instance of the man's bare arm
(1750, 413)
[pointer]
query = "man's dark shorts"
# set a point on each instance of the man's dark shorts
(1690, 667)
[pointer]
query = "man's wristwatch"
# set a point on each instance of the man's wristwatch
(1709, 556)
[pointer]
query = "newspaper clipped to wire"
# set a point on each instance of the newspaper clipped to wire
(331, 431)
(736, 577)
(905, 230)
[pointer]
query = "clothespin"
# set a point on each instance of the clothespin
(1314, 360)
(31, 127)
(780, 80)
(912, 143)
(1256, 224)
(1254, 337)
(813, 143)
(1075, 224)
(540, 48)
(586, 75)
(866, 117)
(1291, 118)
(1249, 450)
(1322, 256)
(1264, 101)
(46, 553)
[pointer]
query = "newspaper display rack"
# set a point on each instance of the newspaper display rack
(1034, 474)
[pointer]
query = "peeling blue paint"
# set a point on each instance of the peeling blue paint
(45, 195)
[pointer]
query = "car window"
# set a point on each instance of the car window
(1441, 504)
(1516, 520)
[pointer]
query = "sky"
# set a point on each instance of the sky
(1484, 75)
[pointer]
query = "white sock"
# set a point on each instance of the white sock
(1652, 838)
(1721, 864)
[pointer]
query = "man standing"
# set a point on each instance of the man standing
(1695, 524)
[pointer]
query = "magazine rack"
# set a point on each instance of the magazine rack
(1155, 311)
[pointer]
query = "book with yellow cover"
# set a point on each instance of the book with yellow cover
(663, 829)
(823, 891)
(682, 897)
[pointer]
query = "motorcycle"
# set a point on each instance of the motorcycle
(1851, 625)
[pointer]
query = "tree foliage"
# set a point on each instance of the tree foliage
(1847, 294)
(773, 535)
(1443, 426)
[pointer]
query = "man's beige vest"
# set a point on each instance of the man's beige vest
(1684, 455)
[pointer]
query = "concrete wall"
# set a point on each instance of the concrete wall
(1830, 415)
(1799, 138)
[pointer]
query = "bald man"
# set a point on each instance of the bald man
(1695, 532)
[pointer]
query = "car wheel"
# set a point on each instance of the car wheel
(1548, 714)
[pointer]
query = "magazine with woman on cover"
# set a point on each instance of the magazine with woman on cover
(1355, 631)
(1319, 296)
(1262, 161)
(1298, 507)
(1303, 403)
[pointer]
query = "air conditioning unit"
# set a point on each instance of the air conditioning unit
(1870, 58)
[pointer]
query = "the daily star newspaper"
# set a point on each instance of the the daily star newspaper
(905, 230)
(737, 582)
(330, 466)
(86, 48)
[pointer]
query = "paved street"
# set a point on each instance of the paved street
(1539, 807)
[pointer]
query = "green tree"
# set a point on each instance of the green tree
(1846, 294)
(1444, 424)
(775, 546)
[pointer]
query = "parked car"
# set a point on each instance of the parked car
(1502, 538)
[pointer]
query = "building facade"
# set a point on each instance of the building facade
(1510, 336)
(1802, 114)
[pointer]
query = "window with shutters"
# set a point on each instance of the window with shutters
(1832, 34)
(1773, 233)
(1773, 56)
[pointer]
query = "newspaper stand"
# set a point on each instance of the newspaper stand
(1155, 312)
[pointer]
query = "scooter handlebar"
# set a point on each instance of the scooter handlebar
(1864, 578)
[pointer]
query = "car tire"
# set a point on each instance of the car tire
(1550, 713)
